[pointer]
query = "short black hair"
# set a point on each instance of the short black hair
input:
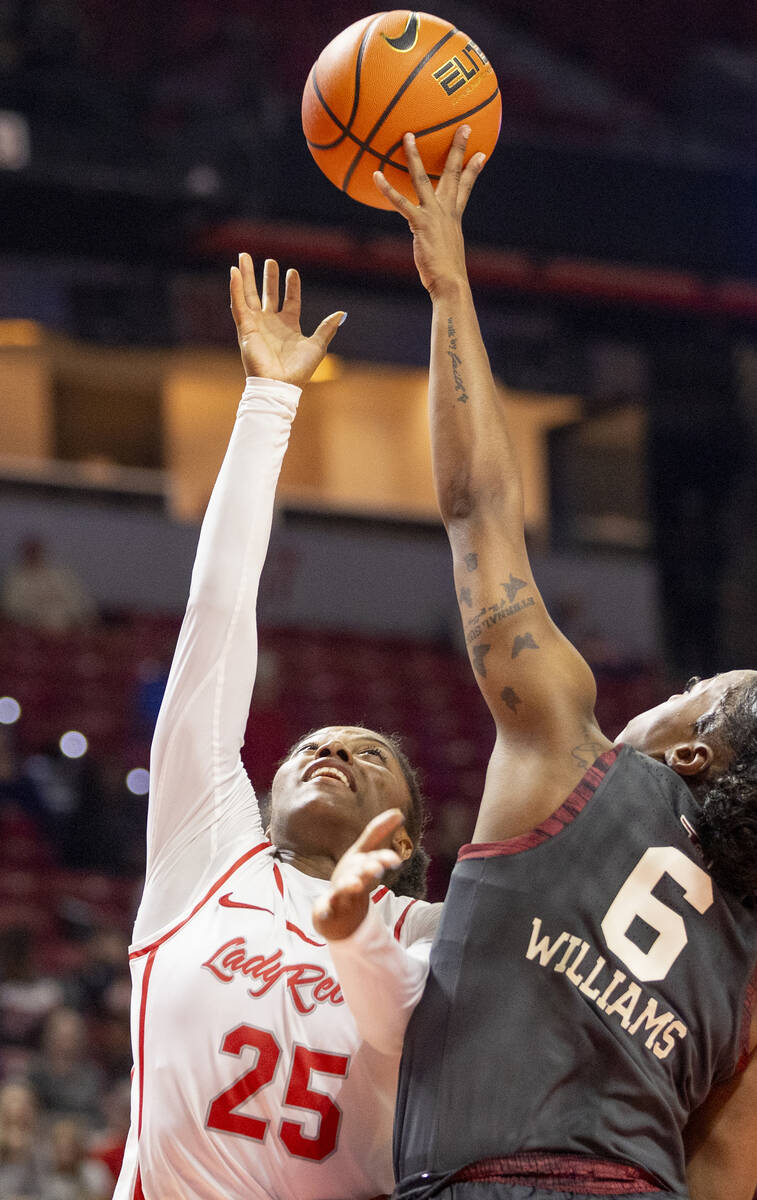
(727, 824)
(411, 878)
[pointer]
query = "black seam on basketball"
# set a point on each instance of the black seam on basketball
(400, 92)
(368, 150)
(457, 120)
(344, 128)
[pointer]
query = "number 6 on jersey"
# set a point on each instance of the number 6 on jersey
(635, 899)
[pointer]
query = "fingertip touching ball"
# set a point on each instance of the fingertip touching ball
(387, 75)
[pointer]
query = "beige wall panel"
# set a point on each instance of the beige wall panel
(25, 426)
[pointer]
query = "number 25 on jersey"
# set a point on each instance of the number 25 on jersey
(223, 1114)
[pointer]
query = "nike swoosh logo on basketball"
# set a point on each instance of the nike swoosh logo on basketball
(406, 40)
(226, 902)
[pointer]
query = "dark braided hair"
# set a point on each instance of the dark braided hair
(727, 825)
(411, 878)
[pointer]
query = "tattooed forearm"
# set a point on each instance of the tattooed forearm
(456, 361)
(524, 641)
(487, 618)
(513, 586)
(478, 654)
(465, 598)
(471, 562)
(511, 699)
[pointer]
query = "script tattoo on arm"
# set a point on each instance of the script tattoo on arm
(586, 753)
(523, 641)
(456, 361)
(478, 654)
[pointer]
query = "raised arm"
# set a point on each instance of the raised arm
(381, 980)
(202, 808)
(539, 690)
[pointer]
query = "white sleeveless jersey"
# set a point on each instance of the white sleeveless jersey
(250, 1077)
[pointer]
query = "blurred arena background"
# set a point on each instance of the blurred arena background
(614, 259)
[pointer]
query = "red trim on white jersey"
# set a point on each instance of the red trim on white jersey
(138, 1193)
(219, 883)
(379, 894)
(141, 1048)
(279, 880)
(401, 918)
(296, 929)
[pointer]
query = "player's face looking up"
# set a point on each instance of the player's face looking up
(332, 783)
(669, 731)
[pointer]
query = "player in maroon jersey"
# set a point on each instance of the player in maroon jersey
(586, 1027)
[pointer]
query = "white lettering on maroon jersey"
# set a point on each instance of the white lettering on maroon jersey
(543, 950)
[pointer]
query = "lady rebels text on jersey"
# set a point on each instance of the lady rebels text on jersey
(250, 1077)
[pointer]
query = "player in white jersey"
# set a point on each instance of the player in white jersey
(250, 1078)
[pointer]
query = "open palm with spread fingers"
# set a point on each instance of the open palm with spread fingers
(435, 222)
(270, 339)
(338, 913)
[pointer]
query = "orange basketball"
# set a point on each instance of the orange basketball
(387, 75)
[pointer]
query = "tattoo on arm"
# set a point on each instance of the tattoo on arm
(460, 392)
(513, 586)
(478, 654)
(523, 642)
(471, 562)
(586, 753)
(511, 699)
(465, 597)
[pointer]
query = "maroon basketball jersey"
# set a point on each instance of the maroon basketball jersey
(589, 984)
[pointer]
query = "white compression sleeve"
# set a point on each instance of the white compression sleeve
(202, 807)
(381, 980)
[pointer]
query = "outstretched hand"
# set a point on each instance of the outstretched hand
(338, 913)
(435, 222)
(270, 339)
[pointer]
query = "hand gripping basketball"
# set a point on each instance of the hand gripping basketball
(387, 73)
(435, 222)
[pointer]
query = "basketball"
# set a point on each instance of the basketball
(387, 75)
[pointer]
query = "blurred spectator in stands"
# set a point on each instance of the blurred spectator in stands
(43, 594)
(97, 988)
(65, 1079)
(108, 1146)
(89, 809)
(114, 1044)
(62, 783)
(152, 676)
(71, 1173)
(26, 995)
(21, 801)
(21, 1172)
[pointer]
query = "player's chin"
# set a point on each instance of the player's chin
(634, 735)
(331, 798)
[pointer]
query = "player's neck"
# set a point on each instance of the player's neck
(320, 866)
